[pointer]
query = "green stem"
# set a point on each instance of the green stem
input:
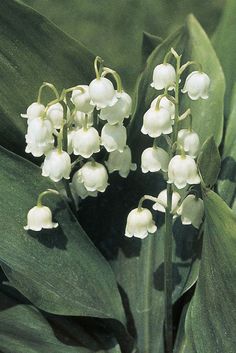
(98, 70)
(116, 77)
(44, 193)
(168, 273)
(168, 328)
(146, 197)
(49, 85)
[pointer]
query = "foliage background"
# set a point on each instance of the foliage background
(113, 29)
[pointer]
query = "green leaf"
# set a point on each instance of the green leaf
(225, 46)
(33, 50)
(209, 162)
(227, 179)
(193, 43)
(207, 114)
(23, 329)
(60, 270)
(114, 29)
(150, 42)
(213, 305)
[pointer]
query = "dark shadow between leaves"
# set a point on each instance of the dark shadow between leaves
(92, 333)
(228, 170)
(186, 240)
(158, 277)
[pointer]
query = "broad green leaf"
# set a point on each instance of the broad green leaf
(150, 42)
(60, 270)
(33, 50)
(225, 46)
(23, 329)
(211, 316)
(207, 114)
(209, 162)
(227, 179)
(193, 43)
(114, 29)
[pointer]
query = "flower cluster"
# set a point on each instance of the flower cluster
(178, 161)
(69, 132)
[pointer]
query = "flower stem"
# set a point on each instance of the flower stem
(168, 272)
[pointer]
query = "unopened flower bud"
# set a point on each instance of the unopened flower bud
(197, 85)
(157, 122)
(39, 131)
(154, 159)
(190, 142)
(86, 142)
(120, 110)
(102, 93)
(113, 137)
(161, 203)
(82, 100)
(55, 115)
(94, 176)
(57, 165)
(139, 223)
(191, 211)
(182, 170)
(164, 76)
(121, 162)
(40, 217)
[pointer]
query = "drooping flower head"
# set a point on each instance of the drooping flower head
(38, 218)
(154, 159)
(120, 110)
(197, 85)
(113, 137)
(85, 142)
(57, 165)
(190, 142)
(82, 100)
(139, 223)
(161, 203)
(191, 211)
(121, 162)
(94, 176)
(102, 93)
(157, 122)
(164, 76)
(182, 170)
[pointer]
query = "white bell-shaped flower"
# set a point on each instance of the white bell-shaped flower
(139, 223)
(102, 93)
(156, 122)
(55, 115)
(35, 110)
(166, 104)
(79, 187)
(154, 159)
(39, 137)
(121, 162)
(197, 85)
(94, 176)
(57, 165)
(86, 142)
(190, 142)
(39, 131)
(191, 211)
(81, 119)
(38, 218)
(120, 110)
(113, 137)
(164, 76)
(38, 150)
(82, 100)
(161, 203)
(182, 170)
